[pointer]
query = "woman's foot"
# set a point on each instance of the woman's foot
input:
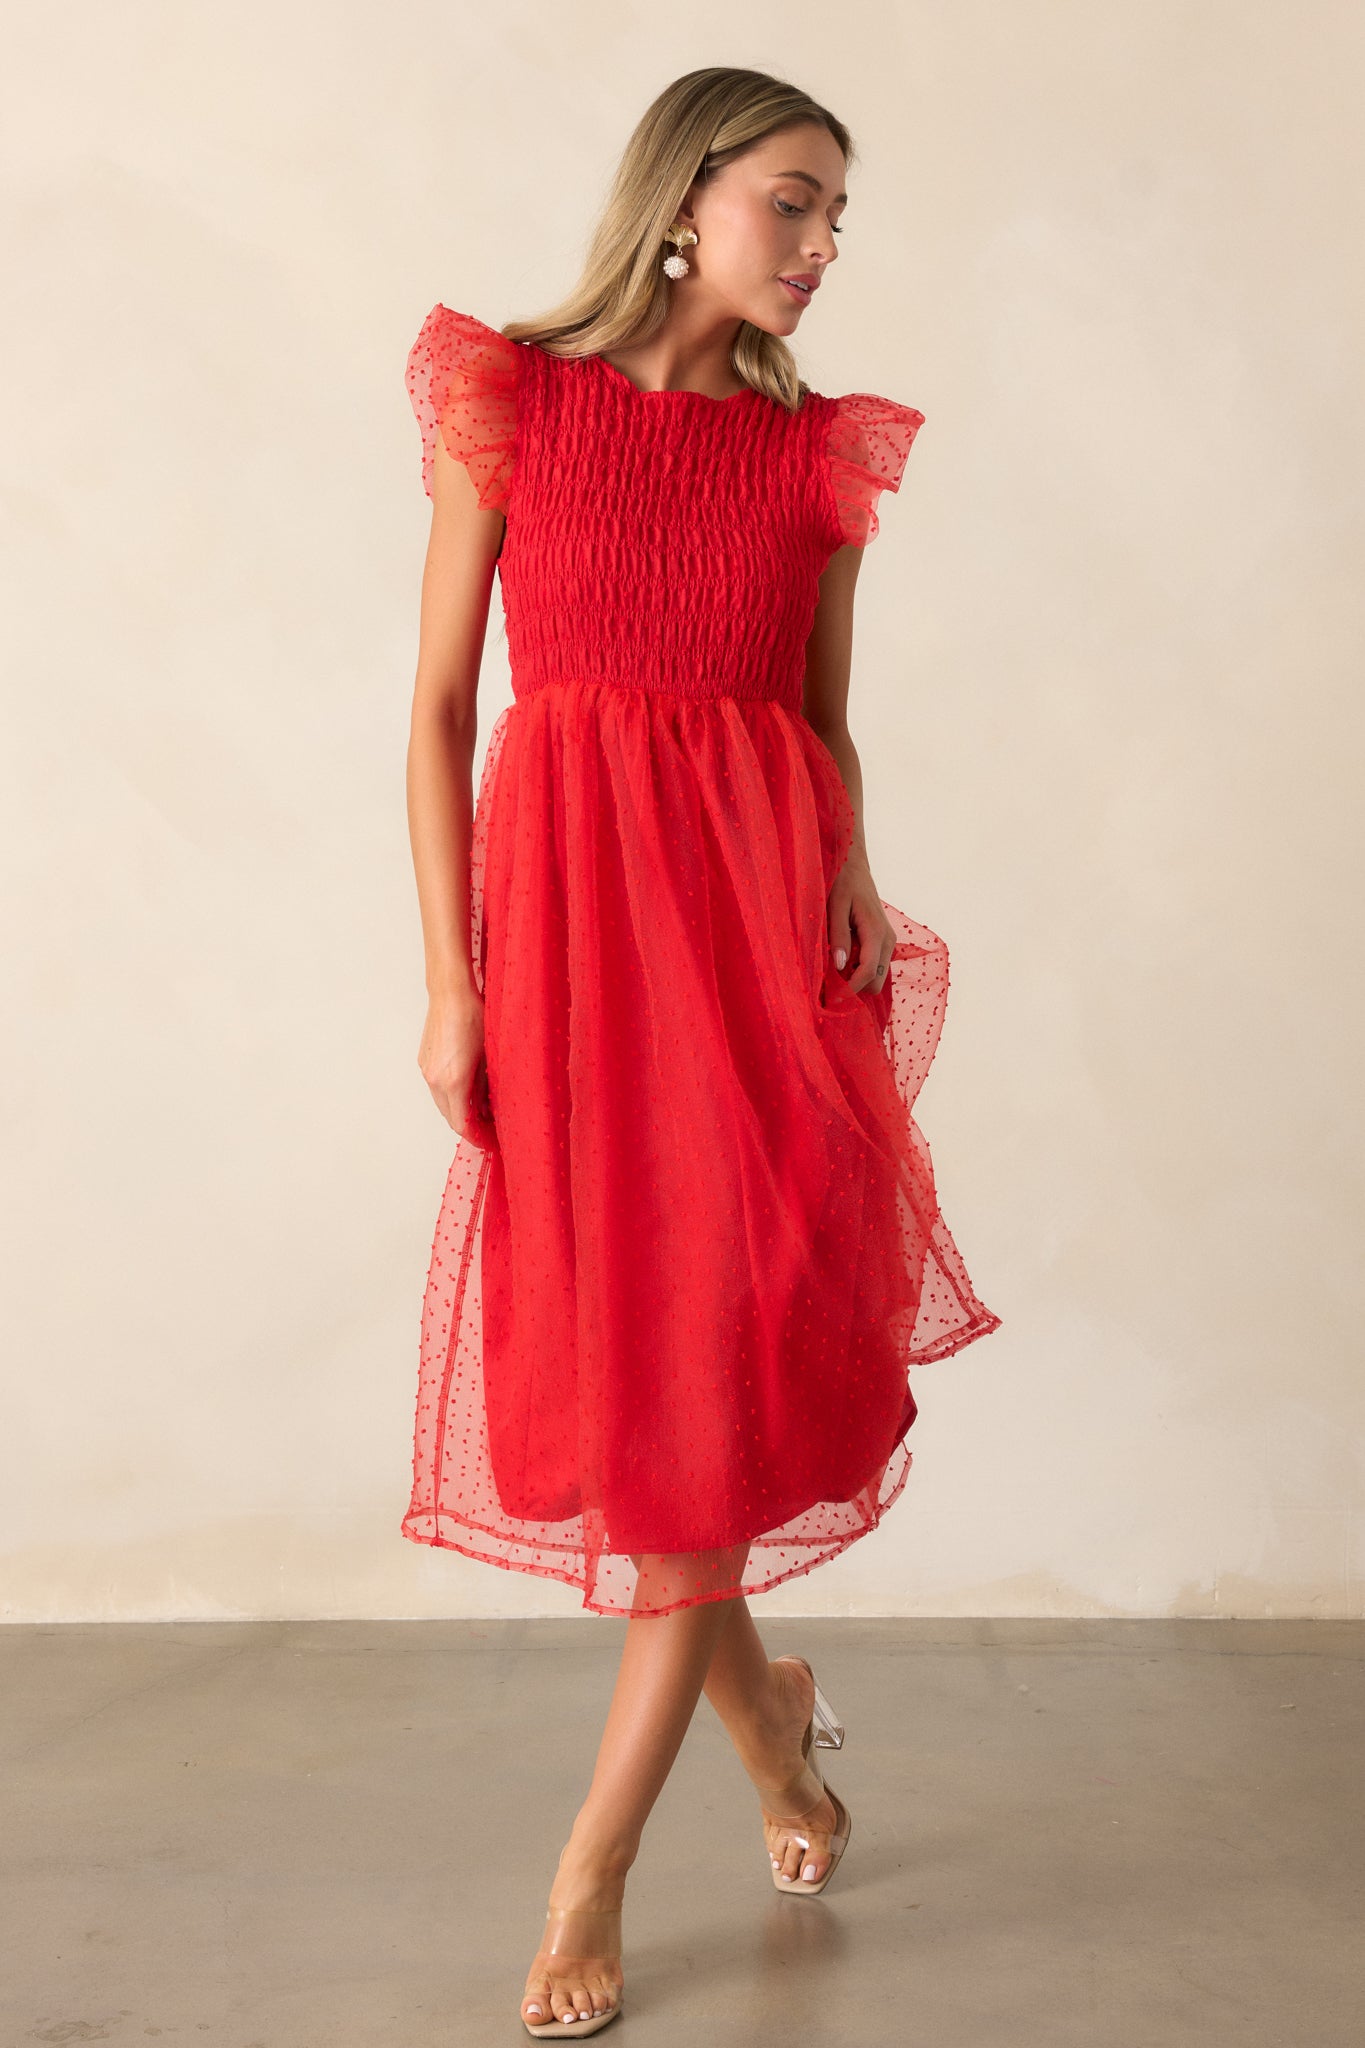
(786, 1783)
(577, 1969)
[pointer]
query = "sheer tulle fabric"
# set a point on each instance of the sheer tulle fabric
(869, 440)
(692, 1244)
(462, 383)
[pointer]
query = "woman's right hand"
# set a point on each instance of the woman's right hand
(451, 1049)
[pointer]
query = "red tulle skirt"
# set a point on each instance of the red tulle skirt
(678, 1277)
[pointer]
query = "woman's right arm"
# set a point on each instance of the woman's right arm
(457, 583)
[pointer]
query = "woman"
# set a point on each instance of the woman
(691, 1242)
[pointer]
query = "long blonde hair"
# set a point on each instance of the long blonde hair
(696, 125)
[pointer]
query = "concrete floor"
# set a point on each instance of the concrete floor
(322, 1835)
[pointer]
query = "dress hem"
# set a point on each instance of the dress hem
(545, 1571)
(955, 1340)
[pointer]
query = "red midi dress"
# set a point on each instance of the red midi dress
(685, 1259)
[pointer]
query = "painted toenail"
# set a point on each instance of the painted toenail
(809, 1871)
(534, 2009)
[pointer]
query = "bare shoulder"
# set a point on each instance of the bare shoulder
(456, 511)
(839, 576)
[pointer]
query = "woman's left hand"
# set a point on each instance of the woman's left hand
(859, 928)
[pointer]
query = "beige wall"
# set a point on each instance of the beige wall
(1107, 694)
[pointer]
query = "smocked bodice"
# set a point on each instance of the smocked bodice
(661, 540)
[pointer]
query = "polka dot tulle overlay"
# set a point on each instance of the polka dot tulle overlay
(679, 1275)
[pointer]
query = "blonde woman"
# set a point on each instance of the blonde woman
(689, 1243)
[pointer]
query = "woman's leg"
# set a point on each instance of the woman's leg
(664, 1659)
(765, 1707)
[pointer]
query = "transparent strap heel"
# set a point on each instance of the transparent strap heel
(583, 1935)
(824, 1730)
(831, 1843)
(829, 1731)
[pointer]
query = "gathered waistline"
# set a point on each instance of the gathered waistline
(521, 691)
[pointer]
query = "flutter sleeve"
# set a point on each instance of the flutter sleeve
(462, 378)
(867, 441)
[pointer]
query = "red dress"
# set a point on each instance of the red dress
(677, 1280)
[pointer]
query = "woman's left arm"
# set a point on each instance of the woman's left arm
(858, 926)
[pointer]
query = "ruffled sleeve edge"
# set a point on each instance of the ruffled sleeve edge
(462, 379)
(868, 439)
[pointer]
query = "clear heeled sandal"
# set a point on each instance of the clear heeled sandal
(583, 1935)
(823, 1731)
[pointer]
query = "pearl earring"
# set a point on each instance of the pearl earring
(676, 265)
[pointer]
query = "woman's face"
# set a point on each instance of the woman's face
(767, 216)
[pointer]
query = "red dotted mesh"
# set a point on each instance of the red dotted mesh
(869, 439)
(680, 1269)
(462, 382)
